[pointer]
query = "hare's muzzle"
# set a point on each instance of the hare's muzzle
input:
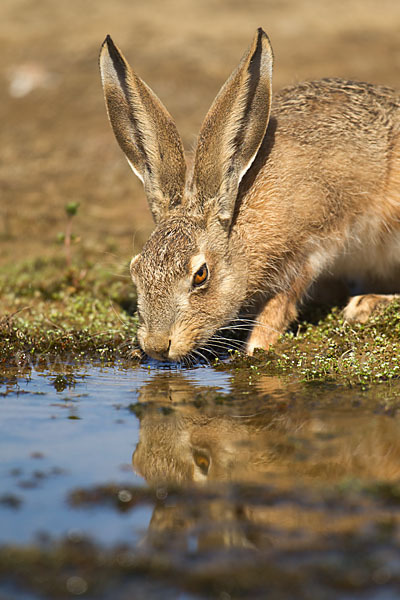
(157, 347)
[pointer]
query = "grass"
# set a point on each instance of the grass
(49, 311)
(333, 351)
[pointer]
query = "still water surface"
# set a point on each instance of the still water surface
(80, 436)
(210, 471)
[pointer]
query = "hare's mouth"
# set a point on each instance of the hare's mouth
(175, 347)
(163, 348)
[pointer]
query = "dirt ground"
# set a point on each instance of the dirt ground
(56, 144)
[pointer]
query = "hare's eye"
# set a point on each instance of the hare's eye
(200, 276)
(202, 461)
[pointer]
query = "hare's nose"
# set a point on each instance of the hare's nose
(159, 351)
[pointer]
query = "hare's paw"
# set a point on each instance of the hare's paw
(360, 308)
(277, 313)
(259, 339)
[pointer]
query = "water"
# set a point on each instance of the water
(208, 482)
(81, 436)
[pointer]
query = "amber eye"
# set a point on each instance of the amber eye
(202, 461)
(200, 276)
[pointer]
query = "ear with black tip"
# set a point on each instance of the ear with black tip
(233, 129)
(144, 130)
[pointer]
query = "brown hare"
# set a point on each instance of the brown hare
(281, 192)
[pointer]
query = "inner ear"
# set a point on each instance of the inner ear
(145, 132)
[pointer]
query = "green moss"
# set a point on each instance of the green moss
(336, 351)
(48, 310)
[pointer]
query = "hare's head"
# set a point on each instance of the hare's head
(191, 275)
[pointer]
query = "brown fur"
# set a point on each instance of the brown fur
(273, 202)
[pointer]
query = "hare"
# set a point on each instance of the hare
(281, 192)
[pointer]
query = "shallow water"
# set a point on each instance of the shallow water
(209, 482)
(67, 430)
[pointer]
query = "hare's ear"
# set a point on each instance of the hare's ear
(145, 131)
(234, 128)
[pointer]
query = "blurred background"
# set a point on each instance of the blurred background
(56, 143)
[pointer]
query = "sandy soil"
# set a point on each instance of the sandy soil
(56, 144)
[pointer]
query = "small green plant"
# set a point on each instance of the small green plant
(68, 237)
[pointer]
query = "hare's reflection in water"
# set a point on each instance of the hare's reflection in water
(191, 434)
(236, 443)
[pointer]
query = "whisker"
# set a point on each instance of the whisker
(236, 328)
(217, 346)
(115, 312)
(241, 323)
(226, 343)
(249, 321)
(194, 360)
(187, 360)
(198, 353)
(223, 348)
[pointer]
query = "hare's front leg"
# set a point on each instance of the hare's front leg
(272, 321)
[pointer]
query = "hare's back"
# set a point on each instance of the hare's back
(332, 147)
(326, 182)
(338, 107)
